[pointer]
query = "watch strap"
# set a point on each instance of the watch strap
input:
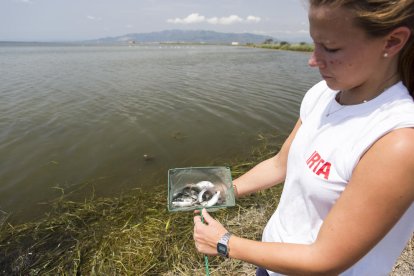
(224, 240)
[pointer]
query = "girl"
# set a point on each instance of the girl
(348, 165)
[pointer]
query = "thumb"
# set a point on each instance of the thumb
(206, 216)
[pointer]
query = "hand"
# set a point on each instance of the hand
(207, 234)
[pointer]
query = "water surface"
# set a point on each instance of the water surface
(71, 115)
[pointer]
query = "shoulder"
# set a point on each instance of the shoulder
(378, 195)
(400, 139)
(391, 159)
(397, 145)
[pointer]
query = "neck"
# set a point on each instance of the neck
(361, 94)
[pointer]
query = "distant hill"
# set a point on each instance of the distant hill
(181, 36)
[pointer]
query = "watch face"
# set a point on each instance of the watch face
(222, 249)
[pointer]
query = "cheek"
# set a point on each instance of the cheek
(335, 62)
(340, 64)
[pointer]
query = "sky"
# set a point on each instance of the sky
(74, 20)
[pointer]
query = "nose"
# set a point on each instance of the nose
(312, 60)
(316, 60)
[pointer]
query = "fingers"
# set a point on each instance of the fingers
(207, 218)
(207, 234)
(199, 226)
(197, 219)
(196, 235)
(204, 216)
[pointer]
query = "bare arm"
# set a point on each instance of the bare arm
(379, 192)
(267, 173)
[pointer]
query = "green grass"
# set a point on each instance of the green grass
(302, 47)
(130, 234)
(134, 234)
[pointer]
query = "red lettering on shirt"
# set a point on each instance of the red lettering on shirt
(315, 157)
(318, 165)
(324, 169)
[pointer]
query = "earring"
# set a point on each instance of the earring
(385, 55)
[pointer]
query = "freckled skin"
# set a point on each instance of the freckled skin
(347, 58)
(333, 62)
(371, 204)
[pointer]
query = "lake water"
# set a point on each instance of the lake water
(73, 116)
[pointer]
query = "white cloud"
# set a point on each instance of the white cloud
(227, 20)
(253, 19)
(191, 19)
(213, 20)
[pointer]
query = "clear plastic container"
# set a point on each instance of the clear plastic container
(200, 187)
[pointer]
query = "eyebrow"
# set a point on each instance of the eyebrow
(324, 42)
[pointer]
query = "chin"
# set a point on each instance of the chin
(332, 84)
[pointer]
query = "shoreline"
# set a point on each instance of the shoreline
(135, 234)
(285, 46)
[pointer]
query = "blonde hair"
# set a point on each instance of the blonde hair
(380, 17)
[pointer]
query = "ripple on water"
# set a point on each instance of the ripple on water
(71, 115)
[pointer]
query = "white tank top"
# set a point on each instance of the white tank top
(322, 157)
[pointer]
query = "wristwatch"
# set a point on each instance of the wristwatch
(222, 245)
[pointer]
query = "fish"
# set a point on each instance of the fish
(182, 203)
(213, 201)
(184, 199)
(201, 194)
(204, 185)
(204, 195)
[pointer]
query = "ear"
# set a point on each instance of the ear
(396, 40)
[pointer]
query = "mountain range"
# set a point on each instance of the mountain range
(183, 36)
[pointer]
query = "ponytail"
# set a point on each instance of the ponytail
(406, 65)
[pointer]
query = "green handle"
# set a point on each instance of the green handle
(205, 256)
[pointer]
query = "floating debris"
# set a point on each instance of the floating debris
(148, 157)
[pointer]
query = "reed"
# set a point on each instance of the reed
(134, 234)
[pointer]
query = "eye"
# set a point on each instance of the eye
(330, 50)
(325, 48)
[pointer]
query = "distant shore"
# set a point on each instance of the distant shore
(300, 47)
(285, 46)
